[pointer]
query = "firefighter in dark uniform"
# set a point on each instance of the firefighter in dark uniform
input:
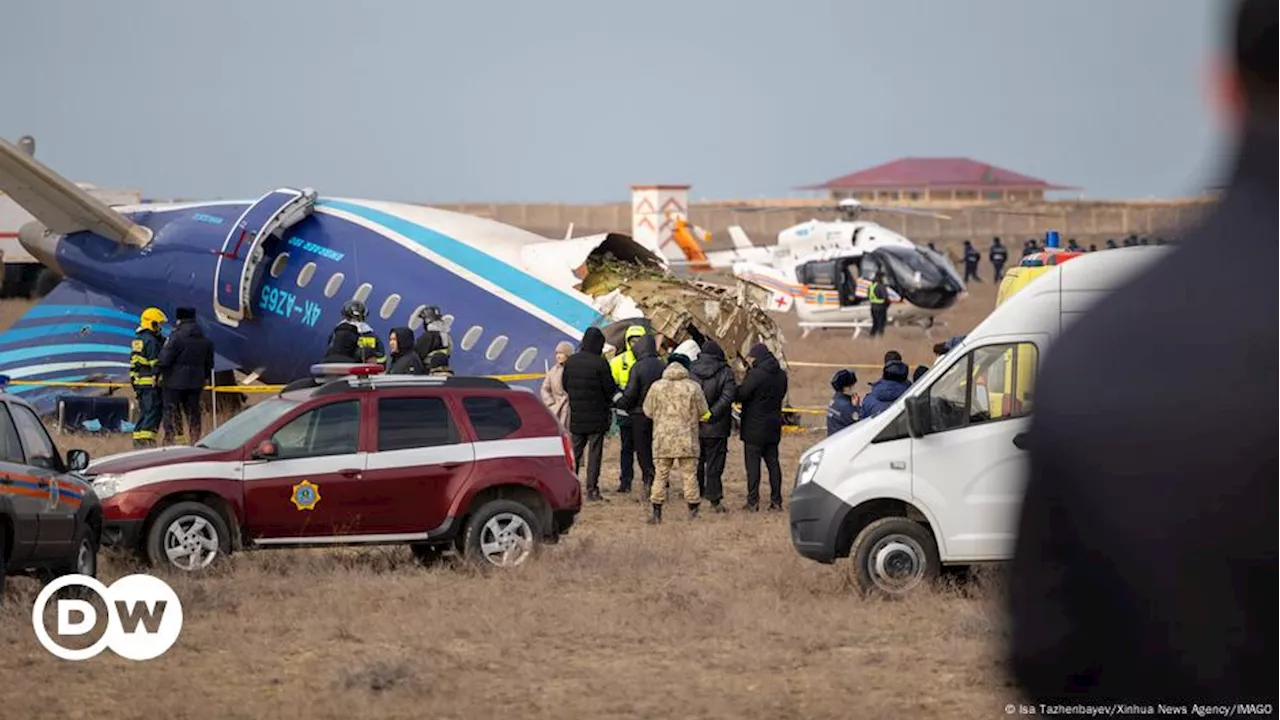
(352, 340)
(971, 259)
(144, 361)
(878, 297)
(999, 255)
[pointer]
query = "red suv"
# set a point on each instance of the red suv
(436, 462)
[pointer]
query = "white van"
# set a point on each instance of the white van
(937, 478)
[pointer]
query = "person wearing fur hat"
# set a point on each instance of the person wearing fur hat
(185, 365)
(553, 393)
(842, 411)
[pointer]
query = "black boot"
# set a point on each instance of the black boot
(594, 495)
(716, 507)
(693, 510)
(751, 507)
(656, 517)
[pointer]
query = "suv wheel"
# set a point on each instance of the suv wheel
(502, 533)
(3, 550)
(83, 559)
(188, 536)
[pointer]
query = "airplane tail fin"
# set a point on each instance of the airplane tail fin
(60, 205)
(739, 237)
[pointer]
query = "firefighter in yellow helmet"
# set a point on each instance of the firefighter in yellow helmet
(620, 367)
(144, 358)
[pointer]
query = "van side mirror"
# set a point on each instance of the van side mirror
(918, 415)
(266, 450)
(77, 460)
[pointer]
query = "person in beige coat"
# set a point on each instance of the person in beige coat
(675, 404)
(553, 394)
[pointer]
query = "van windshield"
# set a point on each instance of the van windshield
(237, 431)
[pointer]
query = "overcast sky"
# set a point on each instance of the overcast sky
(575, 100)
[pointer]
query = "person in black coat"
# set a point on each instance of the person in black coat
(589, 384)
(647, 369)
(1145, 567)
(761, 394)
(714, 375)
(185, 366)
(404, 360)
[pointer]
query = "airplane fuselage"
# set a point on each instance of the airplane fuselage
(506, 320)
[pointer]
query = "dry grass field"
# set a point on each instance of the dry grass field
(717, 617)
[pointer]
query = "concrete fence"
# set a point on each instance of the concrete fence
(1087, 221)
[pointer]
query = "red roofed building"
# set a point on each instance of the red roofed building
(937, 180)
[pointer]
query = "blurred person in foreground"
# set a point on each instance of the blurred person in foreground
(1145, 567)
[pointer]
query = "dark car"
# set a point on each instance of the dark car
(50, 519)
(440, 463)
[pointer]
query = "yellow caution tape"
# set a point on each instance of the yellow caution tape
(277, 388)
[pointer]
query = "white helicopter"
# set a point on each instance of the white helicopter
(824, 269)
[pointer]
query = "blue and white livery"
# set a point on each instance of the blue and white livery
(268, 278)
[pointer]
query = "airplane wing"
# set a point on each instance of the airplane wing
(73, 335)
(59, 204)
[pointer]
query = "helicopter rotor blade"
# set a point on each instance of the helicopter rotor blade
(905, 211)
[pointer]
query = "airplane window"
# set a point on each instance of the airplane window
(307, 272)
(472, 337)
(389, 305)
(362, 292)
(277, 266)
(496, 347)
(526, 359)
(335, 283)
(415, 320)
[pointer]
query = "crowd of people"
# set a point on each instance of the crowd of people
(673, 411)
(998, 253)
(847, 408)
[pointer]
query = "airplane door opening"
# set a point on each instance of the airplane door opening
(240, 260)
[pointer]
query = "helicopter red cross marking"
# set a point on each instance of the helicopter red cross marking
(781, 301)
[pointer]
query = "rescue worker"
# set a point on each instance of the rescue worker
(675, 405)
(1093, 248)
(404, 359)
(1072, 246)
(842, 411)
(1111, 244)
(440, 343)
(891, 385)
(971, 259)
(552, 391)
(588, 381)
(1145, 567)
(1029, 248)
(438, 364)
(761, 394)
(720, 388)
(999, 255)
(620, 366)
(353, 330)
(919, 373)
(641, 376)
(878, 297)
(144, 359)
(185, 365)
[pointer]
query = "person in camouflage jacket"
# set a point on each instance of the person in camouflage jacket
(675, 404)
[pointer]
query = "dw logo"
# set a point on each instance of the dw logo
(144, 617)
